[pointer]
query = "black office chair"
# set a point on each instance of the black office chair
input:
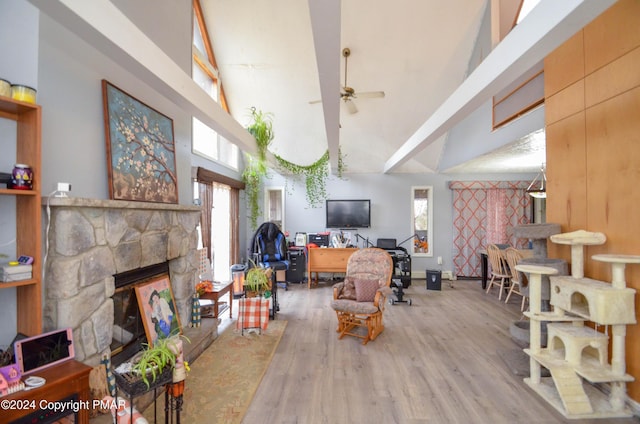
(401, 278)
(269, 250)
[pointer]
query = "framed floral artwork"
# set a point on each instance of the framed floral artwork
(140, 149)
(158, 309)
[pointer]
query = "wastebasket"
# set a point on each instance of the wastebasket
(237, 276)
(434, 279)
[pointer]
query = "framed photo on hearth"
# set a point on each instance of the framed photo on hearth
(158, 309)
(140, 149)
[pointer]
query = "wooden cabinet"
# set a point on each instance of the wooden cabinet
(67, 381)
(327, 260)
(27, 212)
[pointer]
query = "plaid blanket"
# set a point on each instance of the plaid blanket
(254, 313)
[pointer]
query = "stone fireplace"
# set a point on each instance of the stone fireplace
(89, 241)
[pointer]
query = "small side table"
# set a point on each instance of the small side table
(219, 290)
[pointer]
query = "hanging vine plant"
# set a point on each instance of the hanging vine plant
(341, 165)
(315, 177)
(261, 128)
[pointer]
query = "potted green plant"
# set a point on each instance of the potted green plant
(257, 282)
(152, 361)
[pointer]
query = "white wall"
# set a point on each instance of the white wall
(19, 65)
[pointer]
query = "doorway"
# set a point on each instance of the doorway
(216, 227)
(221, 232)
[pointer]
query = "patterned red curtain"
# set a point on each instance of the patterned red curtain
(485, 212)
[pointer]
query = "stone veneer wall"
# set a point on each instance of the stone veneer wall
(91, 240)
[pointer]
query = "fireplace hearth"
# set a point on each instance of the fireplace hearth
(90, 241)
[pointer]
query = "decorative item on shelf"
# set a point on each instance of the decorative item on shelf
(23, 93)
(15, 271)
(10, 380)
(22, 177)
(5, 88)
(535, 190)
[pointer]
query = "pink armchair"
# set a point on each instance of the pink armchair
(360, 299)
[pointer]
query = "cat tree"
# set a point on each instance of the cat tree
(576, 353)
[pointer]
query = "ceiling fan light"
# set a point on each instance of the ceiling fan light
(538, 191)
(538, 194)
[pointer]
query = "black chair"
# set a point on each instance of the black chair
(269, 250)
(401, 278)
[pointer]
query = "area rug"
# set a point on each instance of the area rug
(224, 378)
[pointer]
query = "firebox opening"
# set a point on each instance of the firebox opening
(128, 329)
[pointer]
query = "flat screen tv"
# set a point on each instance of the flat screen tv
(348, 213)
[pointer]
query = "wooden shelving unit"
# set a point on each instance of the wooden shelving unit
(28, 212)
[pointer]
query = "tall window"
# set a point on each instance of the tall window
(422, 219)
(274, 206)
(219, 230)
(206, 142)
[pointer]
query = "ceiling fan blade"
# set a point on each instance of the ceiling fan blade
(351, 107)
(370, 94)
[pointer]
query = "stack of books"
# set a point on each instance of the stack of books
(10, 273)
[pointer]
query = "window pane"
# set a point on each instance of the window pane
(275, 206)
(197, 35)
(228, 153)
(205, 81)
(205, 140)
(422, 215)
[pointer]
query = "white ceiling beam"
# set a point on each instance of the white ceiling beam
(326, 28)
(546, 27)
(107, 29)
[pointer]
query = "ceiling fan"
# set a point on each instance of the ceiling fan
(347, 94)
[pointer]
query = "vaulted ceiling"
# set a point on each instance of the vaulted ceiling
(282, 56)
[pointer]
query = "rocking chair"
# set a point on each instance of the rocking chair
(359, 300)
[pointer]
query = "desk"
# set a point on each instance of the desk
(219, 290)
(332, 259)
(68, 379)
(526, 253)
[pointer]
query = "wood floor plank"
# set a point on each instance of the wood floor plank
(437, 361)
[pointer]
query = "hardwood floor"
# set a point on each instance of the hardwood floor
(438, 361)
